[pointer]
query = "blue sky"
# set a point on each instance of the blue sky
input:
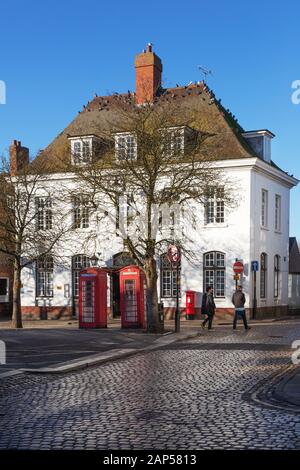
(56, 54)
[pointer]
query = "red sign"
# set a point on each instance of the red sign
(174, 254)
(238, 267)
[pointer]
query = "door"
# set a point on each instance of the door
(116, 295)
(131, 308)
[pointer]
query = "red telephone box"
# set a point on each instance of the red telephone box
(190, 304)
(132, 297)
(92, 298)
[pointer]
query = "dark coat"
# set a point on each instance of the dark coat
(208, 304)
(238, 299)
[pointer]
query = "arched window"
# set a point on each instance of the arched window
(214, 272)
(44, 277)
(168, 277)
(276, 275)
(79, 262)
(263, 275)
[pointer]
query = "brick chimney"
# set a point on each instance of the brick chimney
(148, 75)
(19, 157)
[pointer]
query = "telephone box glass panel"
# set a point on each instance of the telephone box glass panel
(88, 301)
(131, 311)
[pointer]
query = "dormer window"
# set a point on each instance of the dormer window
(260, 142)
(83, 148)
(125, 146)
(177, 140)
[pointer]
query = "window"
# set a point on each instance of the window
(125, 146)
(276, 275)
(81, 151)
(263, 275)
(215, 208)
(173, 141)
(4, 289)
(81, 212)
(79, 262)
(277, 212)
(214, 272)
(168, 275)
(44, 277)
(43, 209)
(264, 208)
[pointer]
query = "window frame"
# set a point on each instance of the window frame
(83, 262)
(213, 206)
(277, 259)
(263, 291)
(277, 222)
(44, 277)
(169, 270)
(81, 156)
(44, 213)
(264, 208)
(80, 212)
(4, 298)
(130, 151)
(213, 269)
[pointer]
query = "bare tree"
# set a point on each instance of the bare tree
(152, 158)
(30, 228)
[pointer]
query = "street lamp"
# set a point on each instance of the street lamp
(94, 261)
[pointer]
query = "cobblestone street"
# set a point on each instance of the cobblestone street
(190, 395)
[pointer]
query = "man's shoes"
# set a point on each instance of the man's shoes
(248, 328)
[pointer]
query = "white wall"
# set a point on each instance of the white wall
(241, 236)
(267, 240)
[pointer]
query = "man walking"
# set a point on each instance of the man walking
(238, 300)
(208, 307)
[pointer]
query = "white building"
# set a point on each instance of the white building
(256, 229)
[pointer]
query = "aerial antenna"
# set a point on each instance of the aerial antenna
(205, 71)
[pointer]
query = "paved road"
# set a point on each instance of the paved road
(35, 348)
(190, 395)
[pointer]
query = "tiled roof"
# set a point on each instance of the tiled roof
(226, 141)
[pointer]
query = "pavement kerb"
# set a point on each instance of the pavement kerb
(279, 393)
(109, 356)
(263, 395)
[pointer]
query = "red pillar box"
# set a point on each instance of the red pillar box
(132, 297)
(92, 298)
(190, 304)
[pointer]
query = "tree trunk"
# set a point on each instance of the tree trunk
(153, 323)
(17, 314)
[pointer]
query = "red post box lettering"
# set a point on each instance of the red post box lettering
(132, 297)
(190, 304)
(93, 298)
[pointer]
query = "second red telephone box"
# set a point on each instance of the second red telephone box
(132, 297)
(93, 298)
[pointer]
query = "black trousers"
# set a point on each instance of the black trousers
(209, 319)
(243, 316)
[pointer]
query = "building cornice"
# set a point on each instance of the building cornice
(253, 163)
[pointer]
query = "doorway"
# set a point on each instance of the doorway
(115, 290)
